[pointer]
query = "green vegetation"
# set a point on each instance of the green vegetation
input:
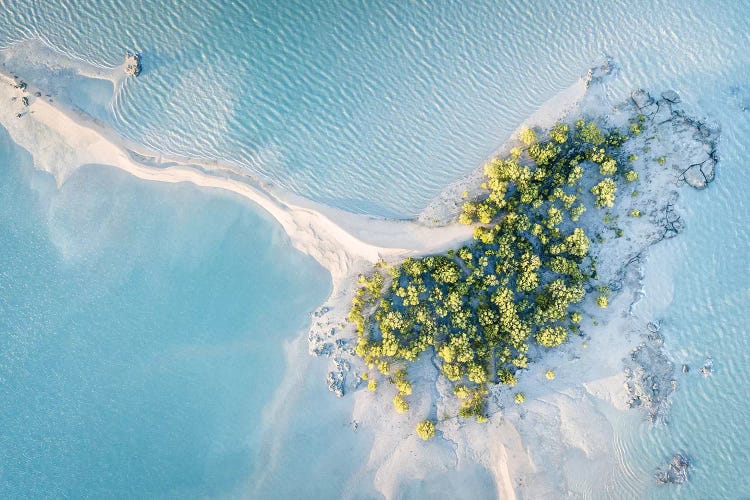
(550, 375)
(661, 160)
(605, 193)
(631, 176)
(480, 307)
(426, 429)
(635, 213)
(519, 398)
(636, 125)
(527, 136)
(602, 300)
(400, 404)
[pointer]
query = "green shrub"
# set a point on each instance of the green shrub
(604, 192)
(400, 404)
(527, 136)
(426, 429)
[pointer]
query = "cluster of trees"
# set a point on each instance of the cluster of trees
(480, 307)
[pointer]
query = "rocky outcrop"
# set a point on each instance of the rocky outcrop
(132, 64)
(676, 472)
(599, 73)
(335, 382)
(700, 154)
(671, 96)
(649, 376)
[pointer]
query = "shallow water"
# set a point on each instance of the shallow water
(142, 329)
(352, 103)
(375, 107)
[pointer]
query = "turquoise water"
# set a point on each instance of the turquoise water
(699, 286)
(352, 103)
(142, 328)
(369, 106)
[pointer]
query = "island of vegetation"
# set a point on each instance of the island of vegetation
(519, 282)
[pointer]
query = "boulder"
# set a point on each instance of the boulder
(641, 98)
(676, 471)
(132, 64)
(671, 96)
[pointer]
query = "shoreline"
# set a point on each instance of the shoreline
(336, 245)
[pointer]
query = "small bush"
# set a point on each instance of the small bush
(426, 429)
(527, 136)
(400, 404)
(631, 176)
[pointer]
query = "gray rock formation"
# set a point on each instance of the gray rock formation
(642, 99)
(598, 73)
(671, 96)
(649, 378)
(676, 472)
(335, 381)
(132, 64)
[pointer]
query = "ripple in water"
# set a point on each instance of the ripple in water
(375, 107)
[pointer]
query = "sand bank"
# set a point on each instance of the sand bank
(62, 138)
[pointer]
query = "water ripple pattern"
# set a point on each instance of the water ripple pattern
(369, 106)
(376, 106)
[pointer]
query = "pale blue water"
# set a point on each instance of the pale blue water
(353, 102)
(375, 107)
(142, 328)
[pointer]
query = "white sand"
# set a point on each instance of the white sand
(562, 442)
(61, 140)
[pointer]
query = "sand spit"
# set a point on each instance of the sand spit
(61, 139)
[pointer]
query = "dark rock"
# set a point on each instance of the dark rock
(25, 101)
(698, 175)
(599, 73)
(707, 368)
(641, 98)
(649, 378)
(325, 349)
(685, 369)
(335, 381)
(132, 64)
(321, 311)
(663, 113)
(676, 472)
(649, 110)
(671, 96)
